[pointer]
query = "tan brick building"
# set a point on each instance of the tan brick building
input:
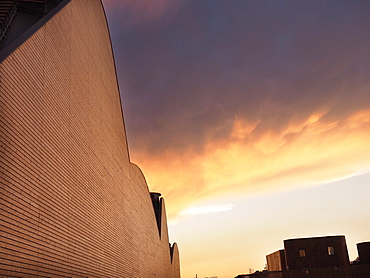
(71, 203)
(276, 261)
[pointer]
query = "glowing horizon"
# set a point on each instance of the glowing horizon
(240, 167)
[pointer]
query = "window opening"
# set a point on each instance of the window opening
(330, 250)
(302, 253)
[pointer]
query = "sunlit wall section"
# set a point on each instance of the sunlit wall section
(71, 203)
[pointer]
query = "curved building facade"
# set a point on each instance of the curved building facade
(71, 203)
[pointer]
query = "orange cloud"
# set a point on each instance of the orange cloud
(313, 151)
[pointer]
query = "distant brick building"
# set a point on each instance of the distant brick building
(276, 261)
(316, 257)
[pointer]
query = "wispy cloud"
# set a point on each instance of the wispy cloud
(206, 210)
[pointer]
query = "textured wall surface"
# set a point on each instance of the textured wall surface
(71, 203)
(276, 261)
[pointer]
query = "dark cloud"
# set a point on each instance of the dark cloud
(188, 72)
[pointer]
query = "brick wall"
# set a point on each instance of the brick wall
(71, 203)
(276, 261)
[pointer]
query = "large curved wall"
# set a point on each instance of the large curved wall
(71, 203)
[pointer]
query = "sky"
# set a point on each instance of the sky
(252, 118)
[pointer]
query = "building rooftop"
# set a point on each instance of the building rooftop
(17, 16)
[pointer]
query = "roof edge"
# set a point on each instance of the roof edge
(316, 237)
(5, 52)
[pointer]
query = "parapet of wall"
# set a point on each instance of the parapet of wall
(71, 203)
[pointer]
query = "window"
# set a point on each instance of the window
(330, 250)
(302, 253)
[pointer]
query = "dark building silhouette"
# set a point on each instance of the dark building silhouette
(71, 202)
(316, 257)
(316, 252)
(363, 249)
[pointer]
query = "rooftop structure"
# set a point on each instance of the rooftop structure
(316, 252)
(364, 252)
(315, 257)
(17, 16)
(276, 261)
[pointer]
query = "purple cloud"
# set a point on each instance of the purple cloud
(187, 69)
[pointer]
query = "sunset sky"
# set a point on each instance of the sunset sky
(252, 118)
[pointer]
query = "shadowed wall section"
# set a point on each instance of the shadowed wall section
(71, 203)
